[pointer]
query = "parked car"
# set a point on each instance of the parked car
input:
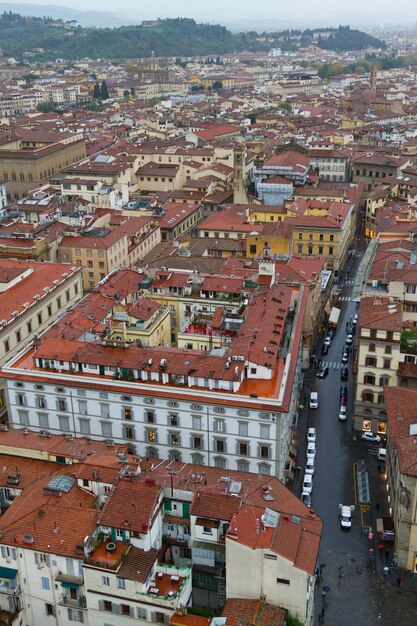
(314, 400)
(330, 333)
(355, 319)
(311, 449)
(349, 339)
(372, 437)
(342, 412)
(324, 348)
(307, 483)
(323, 372)
(310, 465)
(327, 340)
(345, 356)
(306, 498)
(311, 435)
(344, 373)
(343, 391)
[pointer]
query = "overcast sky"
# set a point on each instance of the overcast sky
(221, 11)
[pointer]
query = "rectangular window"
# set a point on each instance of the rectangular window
(142, 613)
(125, 608)
(106, 429)
(242, 448)
(371, 347)
(196, 422)
(75, 616)
(264, 431)
(387, 364)
(196, 442)
(43, 420)
(127, 413)
(243, 429)
(283, 581)
(84, 426)
(105, 580)
(388, 349)
(150, 417)
(61, 404)
(64, 423)
(151, 436)
(41, 402)
(220, 446)
(129, 432)
(219, 425)
(173, 420)
(49, 609)
(45, 583)
(370, 361)
(104, 410)
(23, 418)
(121, 583)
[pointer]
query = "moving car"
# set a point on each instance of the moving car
(343, 391)
(307, 483)
(344, 373)
(323, 371)
(372, 437)
(311, 435)
(314, 400)
(382, 454)
(349, 339)
(345, 515)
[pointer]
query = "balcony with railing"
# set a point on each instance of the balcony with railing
(108, 555)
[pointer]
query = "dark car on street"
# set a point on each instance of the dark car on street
(324, 348)
(344, 373)
(343, 391)
(323, 371)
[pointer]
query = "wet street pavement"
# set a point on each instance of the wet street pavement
(358, 592)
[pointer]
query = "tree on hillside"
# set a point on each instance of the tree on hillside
(97, 91)
(104, 91)
(217, 84)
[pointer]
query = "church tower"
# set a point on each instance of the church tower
(239, 186)
(374, 76)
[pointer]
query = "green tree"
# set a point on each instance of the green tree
(286, 106)
(217, 84)
(126, 93)
(45, 107)
(97, 92)
(104, 91)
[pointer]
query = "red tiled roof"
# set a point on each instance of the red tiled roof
(246, 612)
(131, 505)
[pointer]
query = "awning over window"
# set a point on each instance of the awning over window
(69, 585)
(7, 573)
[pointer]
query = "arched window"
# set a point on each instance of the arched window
(264, 468)
(384, 380)
(197, 459)
(152, 453)
(369, 378)
(220, 462)
(381, 398)
(367, 412)
(243, 466)
(174, 455)
(367, 395)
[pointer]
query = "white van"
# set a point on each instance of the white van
(307, 483)
(382, 453)
(314, 400)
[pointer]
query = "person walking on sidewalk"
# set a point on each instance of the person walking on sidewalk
(399, 581)
(340, 569)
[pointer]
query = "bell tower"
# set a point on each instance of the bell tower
(239, 186)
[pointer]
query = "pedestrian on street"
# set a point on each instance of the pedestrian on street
(340, 572)
(323, 596)
(381, 549)
(322, 614)
(399, 580)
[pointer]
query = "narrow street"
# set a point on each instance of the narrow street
(357, 593)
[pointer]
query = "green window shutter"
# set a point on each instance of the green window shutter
(168, 505)
(186, 510)
(113, 534)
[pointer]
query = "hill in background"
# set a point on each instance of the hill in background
(49, 38)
